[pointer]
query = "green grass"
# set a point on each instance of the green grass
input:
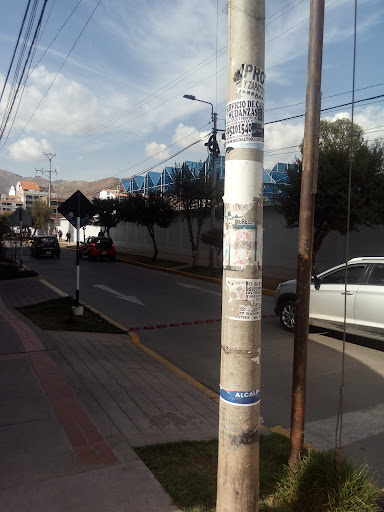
(148, 260)
(12, 271)
(187, 471)
(57, 315)
(318, 486)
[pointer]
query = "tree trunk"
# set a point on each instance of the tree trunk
(318, 239)
(152, 235)
(194, 245)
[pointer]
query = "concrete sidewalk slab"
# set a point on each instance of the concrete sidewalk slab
(122, 488)
(145, 402)
(72, 406)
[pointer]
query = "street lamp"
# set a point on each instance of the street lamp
(213, 149)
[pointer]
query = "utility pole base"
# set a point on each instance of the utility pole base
(77, 310)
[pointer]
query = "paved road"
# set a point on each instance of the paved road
(166, 299)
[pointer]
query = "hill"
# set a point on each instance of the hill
(64, 189)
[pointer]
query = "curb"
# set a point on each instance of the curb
(209, 393)
(199, 277)
(184, 274)
(195, 383)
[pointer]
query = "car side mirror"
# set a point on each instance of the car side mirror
(317, 282)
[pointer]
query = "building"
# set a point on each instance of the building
(112, 194)
(28, 191)
(10, 203)
(162, 181)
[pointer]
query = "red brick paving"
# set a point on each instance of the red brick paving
(86, 440)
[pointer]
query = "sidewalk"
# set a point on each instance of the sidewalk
(73, 405)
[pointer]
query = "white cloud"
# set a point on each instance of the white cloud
(30, 150)
(158, 151)
(281, 143)
(69, 108)
(186, 135)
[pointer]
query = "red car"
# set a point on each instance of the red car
(98, 247)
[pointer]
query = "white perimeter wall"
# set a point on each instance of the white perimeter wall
(280, 243)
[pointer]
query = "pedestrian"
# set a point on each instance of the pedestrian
(101, 233)
(54, 232)
(60, 233)
(68, 237)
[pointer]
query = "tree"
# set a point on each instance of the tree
(107, 213)
(149, 211)
(367, 192)
(193, 194)
(4, 225)
(214, 238)
(41, 215)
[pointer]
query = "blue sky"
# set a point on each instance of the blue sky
(116, 106)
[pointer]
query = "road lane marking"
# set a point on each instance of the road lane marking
(128, 298)
(357, 426)
(199, 288)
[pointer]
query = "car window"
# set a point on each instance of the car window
(355, 275)
(377, 275)
(47, 239)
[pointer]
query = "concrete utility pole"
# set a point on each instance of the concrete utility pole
(307, 206)
(214, 151)
(238, 465)
(49, 174)
(213, 200)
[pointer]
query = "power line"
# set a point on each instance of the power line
(15, 87)
(160, 163)
(163, 89)
(177, 142)
(326, 109)
(61, 67)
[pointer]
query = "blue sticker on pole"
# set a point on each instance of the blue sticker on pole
(245, 398)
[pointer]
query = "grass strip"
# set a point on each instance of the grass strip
(148, 260)
(8, 271)
(56, 315)
(188, 470)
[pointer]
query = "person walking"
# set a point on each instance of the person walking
(60, 233)
(68, 237)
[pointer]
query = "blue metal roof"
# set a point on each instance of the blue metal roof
(154, 180)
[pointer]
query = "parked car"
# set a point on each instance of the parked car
(45, 245)
(364, 299)
(98, 247)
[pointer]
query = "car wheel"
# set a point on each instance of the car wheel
(287, 315)
(89, 255)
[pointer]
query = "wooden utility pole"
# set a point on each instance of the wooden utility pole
(238, 465)
(307, 206)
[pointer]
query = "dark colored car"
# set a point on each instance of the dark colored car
(45, 245)
(98, 247)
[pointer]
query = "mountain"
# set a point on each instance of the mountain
(7, 179)
(63, 189)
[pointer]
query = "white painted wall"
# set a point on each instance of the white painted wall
(280, 243)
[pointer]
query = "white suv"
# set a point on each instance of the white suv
(364, 304)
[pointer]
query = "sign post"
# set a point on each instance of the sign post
(20, 218)
(78, 210)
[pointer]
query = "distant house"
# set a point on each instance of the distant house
(28, 191)
(112, 194)
(9, 203)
